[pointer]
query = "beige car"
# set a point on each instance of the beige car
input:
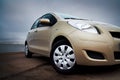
(69, 40)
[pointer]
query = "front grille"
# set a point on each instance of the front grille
(117, 55)
(115, 34)
(95, 55)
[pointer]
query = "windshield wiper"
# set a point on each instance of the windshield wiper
(75, 18)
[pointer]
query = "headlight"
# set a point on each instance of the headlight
(84, 27)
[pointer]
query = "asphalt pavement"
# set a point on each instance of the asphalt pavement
(14, 66)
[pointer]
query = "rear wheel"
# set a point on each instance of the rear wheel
(63, 57)
(28, 54)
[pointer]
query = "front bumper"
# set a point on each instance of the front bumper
(104, 44)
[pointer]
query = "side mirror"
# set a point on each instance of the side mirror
(45, 21)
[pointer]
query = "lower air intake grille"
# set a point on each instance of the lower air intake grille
(115, 34)
(117, 55)
(95, 55)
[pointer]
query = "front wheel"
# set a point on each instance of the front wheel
(63, 57)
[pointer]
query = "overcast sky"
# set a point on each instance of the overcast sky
(17, 16)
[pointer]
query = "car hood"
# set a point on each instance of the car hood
(108, 27)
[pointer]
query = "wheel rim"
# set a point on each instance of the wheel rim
(64, 57)
(26, 50)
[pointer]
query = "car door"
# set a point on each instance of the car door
(43, 33)
(31, 36)
(41, 38)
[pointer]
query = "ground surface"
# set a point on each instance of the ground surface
(14, 66)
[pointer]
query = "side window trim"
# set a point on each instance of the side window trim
(35, 24)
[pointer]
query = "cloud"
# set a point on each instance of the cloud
(17, 16)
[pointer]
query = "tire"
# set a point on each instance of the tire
(62, 57)
(28, 54)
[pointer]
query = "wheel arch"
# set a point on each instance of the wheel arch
(61, 37)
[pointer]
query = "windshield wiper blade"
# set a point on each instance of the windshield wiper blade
(76, 18)
(70, 18)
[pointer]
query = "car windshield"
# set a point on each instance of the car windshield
(67, 16)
